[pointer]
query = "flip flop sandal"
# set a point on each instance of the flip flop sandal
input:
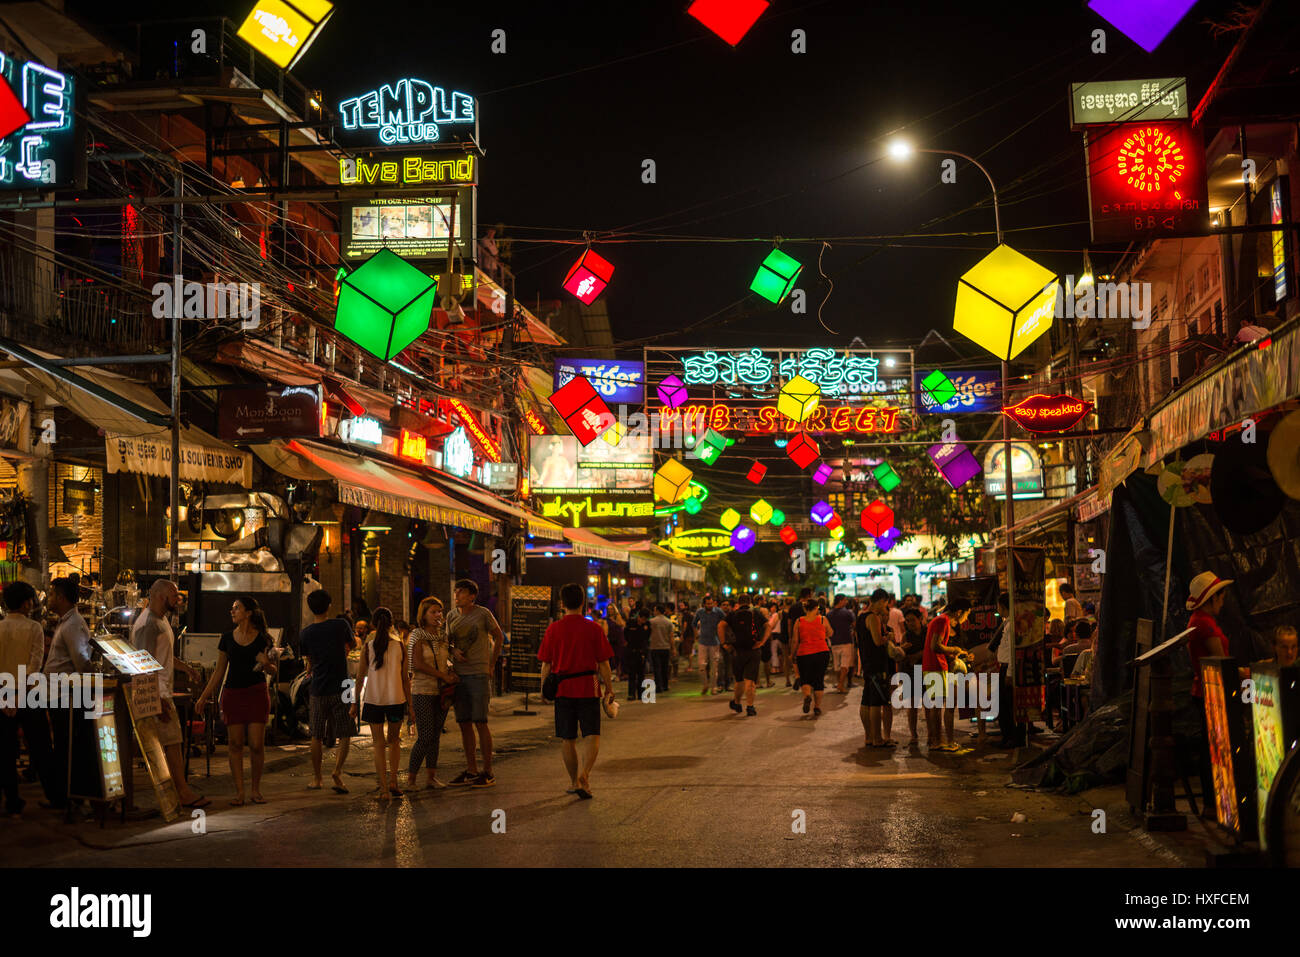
(199, 802)
(339, 790)
(315, 787)
(259, 800)
(237, 802)
(583, 793)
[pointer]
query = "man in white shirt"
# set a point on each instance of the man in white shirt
(152, 632)
(22, 645)
(69, 655)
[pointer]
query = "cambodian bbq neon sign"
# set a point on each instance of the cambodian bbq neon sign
(408, 111)
(765, 419)
(847, 374)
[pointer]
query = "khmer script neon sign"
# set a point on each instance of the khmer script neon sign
(838, 374)
(408, 111)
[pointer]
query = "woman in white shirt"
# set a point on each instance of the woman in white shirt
(387, 690)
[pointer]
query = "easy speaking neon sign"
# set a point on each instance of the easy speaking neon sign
(408, 111)
(1048, 413)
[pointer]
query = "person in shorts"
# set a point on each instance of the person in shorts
(475, 639)
(575, 646)
(943, 628)
(873, 642)
(744, 634)
(811, 654)
(385, 686)
(325, 644)
(841, 618)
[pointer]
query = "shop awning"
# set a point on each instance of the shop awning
(133, 418)
(593, 546)
(537, 526)
(369, 484)
(647, 558)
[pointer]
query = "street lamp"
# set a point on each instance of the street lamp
(901, 150)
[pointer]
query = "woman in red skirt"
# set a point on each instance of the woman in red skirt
(244, 662)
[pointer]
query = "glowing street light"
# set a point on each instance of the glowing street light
(900, 149)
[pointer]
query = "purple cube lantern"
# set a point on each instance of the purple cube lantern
(888, 540)
(1146, 23)
(955, 462)
(742, 538)
(822, 513)
(823, 472)
(672, 391)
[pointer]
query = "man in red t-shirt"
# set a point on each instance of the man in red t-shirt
(575, 646)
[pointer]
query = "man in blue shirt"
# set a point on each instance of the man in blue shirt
(842, 621)
(707, 620)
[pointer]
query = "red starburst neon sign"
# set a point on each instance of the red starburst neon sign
(1150, 160)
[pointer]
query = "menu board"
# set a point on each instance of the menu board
(108, 765)
(1030, 629)
(126, 658)
(1275, 718)
(1219, 720)
(530, 614)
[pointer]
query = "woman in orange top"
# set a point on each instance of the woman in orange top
(811, 654)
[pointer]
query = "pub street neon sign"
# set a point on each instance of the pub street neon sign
(36, 106)
(408, 111)
(1048, 413)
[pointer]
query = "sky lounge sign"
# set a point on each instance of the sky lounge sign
(411, 111)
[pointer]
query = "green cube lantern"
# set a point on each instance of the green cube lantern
(730, 519)
(938, 388)
(776, 276)
(710, 446)
(778, 517)
(384, 304)
(886, 476)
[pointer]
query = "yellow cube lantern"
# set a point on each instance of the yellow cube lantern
(672, 481)
(614, 434)
(729, 519)
(1005, 302)
(284, 29)
(798, 398)
(761, 512)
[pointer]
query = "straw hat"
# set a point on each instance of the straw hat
(1203, 587)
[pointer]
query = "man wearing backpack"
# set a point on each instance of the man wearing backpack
(745, 631)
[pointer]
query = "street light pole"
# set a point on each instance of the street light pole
(1009, 511)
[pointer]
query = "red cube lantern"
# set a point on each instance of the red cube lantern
(834, 522)
(729, 19)
(589, 276)
(877, 518)
(788, 535)
(756, 472)
(803, 450)
(582, 409)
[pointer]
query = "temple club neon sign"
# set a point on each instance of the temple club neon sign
(408, 111)
(765, 419)
(1048, 413)
(472, 426)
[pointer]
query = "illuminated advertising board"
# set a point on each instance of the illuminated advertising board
(1128, 101)
(1275, 714)
(1279, 244)
(595, 509)
(1048, 413)
(415, 169)
(412, 227)
(1219, 722)
(40, 141)
(557, 463)
(470, 421)
(699, 542)
(1146, 180)
(282, 30)
(458, 454)
(1026, 471)
(410, 110)
(615, 381)
(841, 374)
(977, 391)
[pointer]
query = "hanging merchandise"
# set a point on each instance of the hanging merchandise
(776, 277)
(1186, 483)
(822, 473)
(730, 519)
(672, 391)
(588, 277)
(798, 398)
(585, 412)
(803, 450)
(761, 512)
(756, 472)
(1005, 302)
(877, 518)
(672, 481)
(384, 304)
(955, 462)
(886, 477)
(743, 538)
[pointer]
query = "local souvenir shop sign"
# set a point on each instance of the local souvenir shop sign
(152, 455)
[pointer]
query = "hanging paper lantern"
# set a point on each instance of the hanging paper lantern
(761, 512)
(821, 513)
(822, 473)
(672, 391)
(710, 446)
(693, 505)
(937, 388)
(886, 476)
(802, 450)
(672, 481)
(798, 398)
(743, 538)
(955, 462)
(877, 518)
(614, 434)
(776, 276)
(788, 535)
(756, 472)
(834, 521)
(888, 540)
(729, 19)
(837, 532)
(778, 517)
(588, 277)
(384, 304)
(582, 409)
(730, 519)
(1005, 302)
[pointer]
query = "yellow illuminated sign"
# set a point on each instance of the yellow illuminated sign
(1005, 302)
(409, 170)
(283, 31)
(699, 542)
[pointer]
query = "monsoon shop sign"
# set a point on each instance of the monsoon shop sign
(152, 455)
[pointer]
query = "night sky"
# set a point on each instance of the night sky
(757, 142)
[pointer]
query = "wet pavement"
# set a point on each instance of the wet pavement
(681, 782)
